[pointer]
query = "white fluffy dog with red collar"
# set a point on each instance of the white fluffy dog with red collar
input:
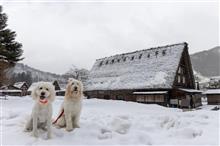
(71, 107)
(41, 116)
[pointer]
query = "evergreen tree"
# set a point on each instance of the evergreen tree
(9, 48)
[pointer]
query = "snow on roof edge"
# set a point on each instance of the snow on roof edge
(164, 46)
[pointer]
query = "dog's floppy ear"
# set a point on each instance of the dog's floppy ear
(81, 88)
(68, 90)
(52, 93)
(33, 93)
(70, 80)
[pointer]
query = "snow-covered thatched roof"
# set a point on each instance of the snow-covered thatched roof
(145, 69)
(19, 84)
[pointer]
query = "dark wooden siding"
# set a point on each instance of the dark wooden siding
(213, 99)
(127, 95)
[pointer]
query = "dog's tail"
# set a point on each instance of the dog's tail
(62, 111)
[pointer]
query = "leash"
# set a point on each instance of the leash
(59, 116)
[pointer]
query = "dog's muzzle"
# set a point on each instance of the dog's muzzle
(43, 99)
(42, 96)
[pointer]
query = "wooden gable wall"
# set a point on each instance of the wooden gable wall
(184, 75)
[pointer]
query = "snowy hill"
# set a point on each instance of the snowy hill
(207, 62)
(38, 75)
(107, 122)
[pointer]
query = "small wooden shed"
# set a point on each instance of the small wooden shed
(10, 90)
(213, 96)
(23, 86)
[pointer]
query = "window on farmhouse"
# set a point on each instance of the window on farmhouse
(118, 60)
(106, 62)
(180, 70)
(148, 56)
(100, 64)
(124, 59)
(164, 52)
(132, 58)
(183, 71)
(149, 98)
(140, 99)
(120, 97)
(156, 53)
(178, 79)
(113, 61)
(159, 98)
(140, 56)
(184, 80)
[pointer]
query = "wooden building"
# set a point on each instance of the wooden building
(10, 93)
(56, 85)
(213, 96)
(60, 92)
(23, 86)
(10, 90)
(161, 75)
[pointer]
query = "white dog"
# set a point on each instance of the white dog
(71, 107)
(41, 117)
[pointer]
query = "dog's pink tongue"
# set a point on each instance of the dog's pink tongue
(43, 101)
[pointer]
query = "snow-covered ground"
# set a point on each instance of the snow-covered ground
(106, 122)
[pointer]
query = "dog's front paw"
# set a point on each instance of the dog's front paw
(49, 136)
(27, 130)
(69, 129)
(57, 126)
(76, 126)
(35, 134)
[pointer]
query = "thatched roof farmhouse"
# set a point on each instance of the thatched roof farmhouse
(160, 75)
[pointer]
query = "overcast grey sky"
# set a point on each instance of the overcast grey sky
(56, 35)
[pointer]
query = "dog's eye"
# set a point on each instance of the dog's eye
(72, 83)
(47, 89)
(40, 88)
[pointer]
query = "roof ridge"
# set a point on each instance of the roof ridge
(164, 46)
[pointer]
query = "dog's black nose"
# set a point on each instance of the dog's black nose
(42, 93)
(75, 88)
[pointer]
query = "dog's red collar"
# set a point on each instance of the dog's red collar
(43, 101)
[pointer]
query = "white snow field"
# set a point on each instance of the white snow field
(108, 122)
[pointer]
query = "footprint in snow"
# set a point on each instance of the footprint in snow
(121, 125)
(11, 115)
(105, 134)
(57, 132)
